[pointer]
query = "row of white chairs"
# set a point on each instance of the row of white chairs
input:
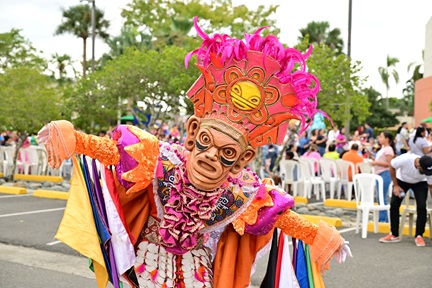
(312, 174)
(32, 160)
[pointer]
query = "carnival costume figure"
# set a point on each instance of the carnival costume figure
(192, 215)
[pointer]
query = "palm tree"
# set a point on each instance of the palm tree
(385, 74)
(61, 62)
(77, 21)
(319, 32)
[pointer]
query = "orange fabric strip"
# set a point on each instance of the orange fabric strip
(235, 256)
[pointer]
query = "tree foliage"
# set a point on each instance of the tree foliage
(15, 50)
(28, 99)
(340, 83)
(157, 78)
(319, 33)
(379, 116)
(170, 21)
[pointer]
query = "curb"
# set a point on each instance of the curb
(334, 221)
(51, 194)
(340, 203)
(38, 178)
(13, 190)
(384, 228)
(300, 199)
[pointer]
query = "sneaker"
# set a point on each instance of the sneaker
(419, 241)
(390, 239)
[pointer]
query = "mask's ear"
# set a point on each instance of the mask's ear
(192, 127)
(244, 159)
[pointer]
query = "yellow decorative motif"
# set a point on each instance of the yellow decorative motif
(245, 95)
(145, 153)
(250, 215)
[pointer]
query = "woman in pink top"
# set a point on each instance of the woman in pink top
(313, 153)
(381, 165)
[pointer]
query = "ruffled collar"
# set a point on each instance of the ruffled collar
(186, 211)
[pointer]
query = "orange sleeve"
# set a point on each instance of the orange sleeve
(324, 239)
(297, 227)
(103, 149)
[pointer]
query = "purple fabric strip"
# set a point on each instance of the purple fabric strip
(294, 260)
(108, 245)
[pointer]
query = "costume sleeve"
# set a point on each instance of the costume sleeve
(296, 226)
(133, 151)
(61, 141)
(103, 149)
(324, 239)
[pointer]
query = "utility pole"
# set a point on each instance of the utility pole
(347, 108)
(93, 33)
(93, 21)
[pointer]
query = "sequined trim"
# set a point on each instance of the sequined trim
(103, 149)
(294, 225)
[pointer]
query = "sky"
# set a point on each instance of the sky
(379, 28)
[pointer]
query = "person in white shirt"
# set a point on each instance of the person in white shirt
(418, 144)
(409, 171)
(332, 134)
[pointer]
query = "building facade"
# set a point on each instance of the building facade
(423, 87)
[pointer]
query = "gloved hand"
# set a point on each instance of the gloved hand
(343, 252)
(59, 140)
(43, 135)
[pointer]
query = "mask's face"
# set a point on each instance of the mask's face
(212, 158)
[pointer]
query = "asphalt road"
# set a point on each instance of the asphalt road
(30, 256)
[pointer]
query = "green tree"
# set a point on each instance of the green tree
(15, 50)
(130, 36)
(61, 62)
(150, 76)
(29, 101)
(171, 20)
(378, 115)
(320, 33)
(339, 77)
(386, 72)
(77, 21)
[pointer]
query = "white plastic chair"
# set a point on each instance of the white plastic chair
(290, 172)
(310, 181)
(43, 160)
(315, 165)
(29, 161)
(364, 167)
(365, 193)
(344, 167)
(410, 211)
(330, 174)
(9, 153)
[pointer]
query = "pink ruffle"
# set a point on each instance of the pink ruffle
(185, 214)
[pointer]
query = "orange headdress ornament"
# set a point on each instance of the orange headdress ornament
(250, 85)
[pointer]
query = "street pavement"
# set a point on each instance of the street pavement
(30, 257)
